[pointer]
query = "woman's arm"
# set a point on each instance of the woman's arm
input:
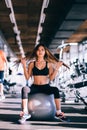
(27, 71)
(53, 71)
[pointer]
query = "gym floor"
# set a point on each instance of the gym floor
(10, 109)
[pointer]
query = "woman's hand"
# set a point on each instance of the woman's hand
(58, 65)
(23, 61)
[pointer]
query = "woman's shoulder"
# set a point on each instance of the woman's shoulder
(31, 63)
(49, 64)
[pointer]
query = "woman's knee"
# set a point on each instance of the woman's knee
(25, 90)
(56, 92)
(55, 89)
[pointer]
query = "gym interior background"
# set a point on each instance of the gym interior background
(61, 28)
(59, 24)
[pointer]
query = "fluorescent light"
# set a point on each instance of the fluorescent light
(46, 2)
(18, 32)
(19, 43)
(8, 3)
(43, 18)
(40, 29)
(12, 18)
(15, 28)
(18, 38)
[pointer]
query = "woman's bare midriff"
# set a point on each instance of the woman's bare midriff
(41, 80)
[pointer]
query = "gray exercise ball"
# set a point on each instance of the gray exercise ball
(41, 106)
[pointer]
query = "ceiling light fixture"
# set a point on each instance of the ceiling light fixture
(15, 28)
(42, 19)
(12, 18)
(8, 3)
(46, 2)
(18, 38)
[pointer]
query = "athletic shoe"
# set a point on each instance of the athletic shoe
(62, 117)
(2, 97)
(24, 118)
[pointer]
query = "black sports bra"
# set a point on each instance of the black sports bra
(44, 71)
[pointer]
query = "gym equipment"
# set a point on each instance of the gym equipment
(78, 97)
(77, 93)
(8, 85)
(41, 106)
(78, 85)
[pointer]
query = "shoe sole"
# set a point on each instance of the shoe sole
(24, 120)
(62, 120)
(2, 99)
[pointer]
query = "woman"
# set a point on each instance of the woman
(41, 68)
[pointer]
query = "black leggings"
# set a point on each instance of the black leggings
(46, 89)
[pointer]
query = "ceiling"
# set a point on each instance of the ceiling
(65, 20)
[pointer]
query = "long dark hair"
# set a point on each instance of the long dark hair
(48, 55)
